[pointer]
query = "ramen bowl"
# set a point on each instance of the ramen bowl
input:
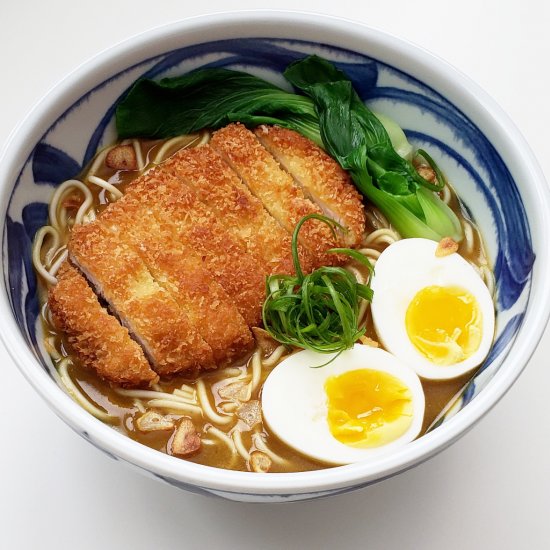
(441, 110)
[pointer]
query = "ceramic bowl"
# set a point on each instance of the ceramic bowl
(441, 110)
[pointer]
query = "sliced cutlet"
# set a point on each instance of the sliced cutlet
(99, 341)
(224, 256)
(241, 213)
(281, 197)
(322, 179)
(180, 270)
(154, 319)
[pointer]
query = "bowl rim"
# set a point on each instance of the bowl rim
(334, 31)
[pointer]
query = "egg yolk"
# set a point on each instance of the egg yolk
(444, 324)
(367, 408)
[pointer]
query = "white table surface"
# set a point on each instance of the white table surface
(489, 490)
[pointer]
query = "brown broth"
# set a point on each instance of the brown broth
(437, 393)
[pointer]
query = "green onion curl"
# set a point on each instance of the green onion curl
(318, 311)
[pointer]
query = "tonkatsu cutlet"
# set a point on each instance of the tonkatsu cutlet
(154, 319)
(180, 270)
(182, 258)
(281, 197)
(321, 178)
(95, 336)
(224, 256)
(240, 212)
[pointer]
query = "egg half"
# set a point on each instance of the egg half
(363, 404)
(435, 313)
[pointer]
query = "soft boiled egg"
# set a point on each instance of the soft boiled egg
(364, 403)
(435, 313)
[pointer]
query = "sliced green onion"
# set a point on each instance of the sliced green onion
(318, 311)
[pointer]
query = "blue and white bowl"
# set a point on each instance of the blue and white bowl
(441, 110)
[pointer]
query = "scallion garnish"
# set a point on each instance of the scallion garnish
(319, 311)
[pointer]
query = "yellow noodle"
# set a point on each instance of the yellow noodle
(274, 357)
(381, 236)
(468, 237)
(370, 253)
(488, 278)
(139, 154)
(446, 194)
(151, 394)
(239, 445)
(229, 407)
(167, 146)
(175, 406)
(49, 344)
(185, 394)
(356, 273)
(109, 187)
(221, 436)
(256, 371)
(231, 371)
(261, 445)
(57, 264)
(79, 396)
(209, 412)
(58, 196)
(38, 242)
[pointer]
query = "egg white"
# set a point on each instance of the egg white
(402, 270)
(295, 409)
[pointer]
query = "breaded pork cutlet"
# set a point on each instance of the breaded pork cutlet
(95, 336)
(224, 256)
(154, 319)
(281, 197)
(321, 178)
(176, 267)
(241, 213)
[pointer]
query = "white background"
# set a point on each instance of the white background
(489, 490)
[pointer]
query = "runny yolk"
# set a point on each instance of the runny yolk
(444, 324)
(367, 408)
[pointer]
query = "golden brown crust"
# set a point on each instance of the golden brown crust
(180, 270)
(95, 336)
(274, 187)
(224, 256)
(241, 213)
(182, 257)
(117, 272)
(320, 176)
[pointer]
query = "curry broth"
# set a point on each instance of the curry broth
(215, 452)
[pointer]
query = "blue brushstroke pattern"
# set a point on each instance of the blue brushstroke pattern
(52, 166)
(20, 268)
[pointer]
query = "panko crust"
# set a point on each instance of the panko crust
(179, 269)
(320, 176)
(118, 274)
(223, 255)
(242, 214)
(182, 257)
(96, 337)
(281, 197)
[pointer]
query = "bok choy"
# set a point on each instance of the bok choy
(327, 110)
